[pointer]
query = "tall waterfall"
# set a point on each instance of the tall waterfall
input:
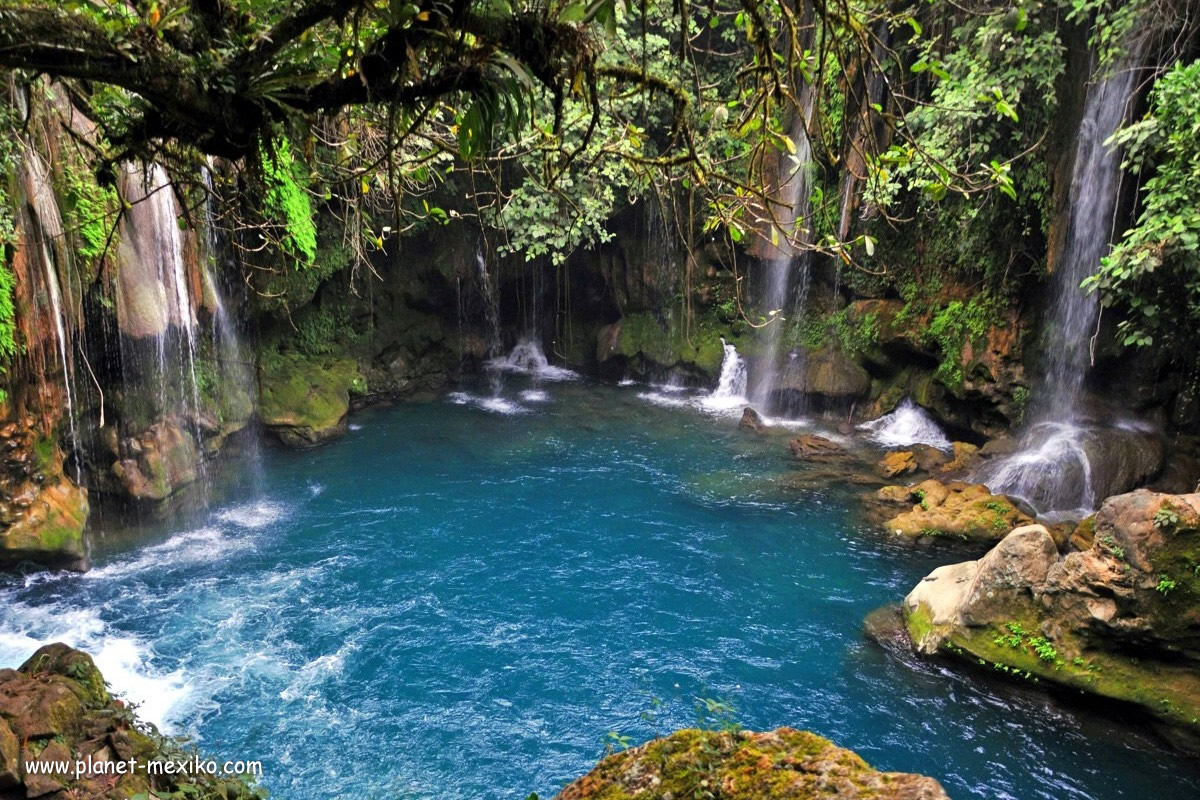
(790, 222)
(1052, 469)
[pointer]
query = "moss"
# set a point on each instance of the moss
(667, 341)
(305, 399)
(1170, 693)
(785, 763)
(288, 204)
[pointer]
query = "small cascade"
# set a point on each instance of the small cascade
(527, 358)
(907, 425)
(781, 299)
(1051, 469)
(730, 393)
(1052, 472)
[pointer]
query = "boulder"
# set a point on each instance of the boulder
(157, 463)
(808, 445)
(751, 421)
(50, 530)
(304, 401)
(963, 511)
(55, 708)
(1119, 619)
(742, 765)
(828, 374)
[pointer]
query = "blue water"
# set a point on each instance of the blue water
(454, 603)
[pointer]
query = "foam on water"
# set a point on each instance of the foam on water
(535, 396)
(496, 404)
(907, 425)
(125, 661)
(258, 514)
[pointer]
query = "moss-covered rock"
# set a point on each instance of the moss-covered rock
(304, 399)
(1119, 620)
(649, 342)
(50, 531)
(785, 764)
(955, 510)
(56, 708)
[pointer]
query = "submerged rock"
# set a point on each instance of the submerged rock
(1119, 620)
(782, 764)
(56, 708)
(964, 511)
(304, 401)
(809, 445)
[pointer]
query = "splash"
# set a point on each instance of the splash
(907, 425)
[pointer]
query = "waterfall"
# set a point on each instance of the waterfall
(731, 385)
(790, 222)
(1051, 470)
(907, 425)
(45, 226)
(491, 311)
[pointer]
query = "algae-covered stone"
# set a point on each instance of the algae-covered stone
(963, 511)
(784, 764)
(157, 463)
(304, 400)
(50, 532)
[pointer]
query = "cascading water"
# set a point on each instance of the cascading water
(790, 222)
(731, 385)
(1052, 470)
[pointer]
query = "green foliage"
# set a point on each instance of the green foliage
(320, 330)
(287, 203)
(9, 156)
(853, 334)
(1165, 585)
(1152, 276)
(953, 326)
(1166, 517)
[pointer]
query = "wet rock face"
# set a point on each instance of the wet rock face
(1120, 619)
(42, 513)
(785, 764)
(55, 708)
(156, 464)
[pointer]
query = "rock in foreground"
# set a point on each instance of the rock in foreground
(1120, 620)
(56, 709)
(785, 764)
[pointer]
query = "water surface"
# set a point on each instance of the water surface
(457, 603)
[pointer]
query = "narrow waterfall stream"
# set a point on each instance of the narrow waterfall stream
(1052, 469)
(785, 296)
